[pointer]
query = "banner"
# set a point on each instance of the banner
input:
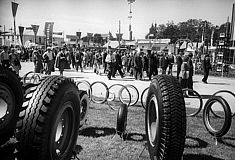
(58, 33)
(119, 36)
(21, 31)
(35, 29)
(49, 32)
(233, 24)
(14, 8)
(29, 28)
(130, 1)
(89, 35)
(78, 34)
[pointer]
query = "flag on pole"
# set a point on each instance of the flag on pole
(78, 34)
(35, 29)
(21, 30)
(89, 35)
(119, 36)
(14, 8)
(49, 32)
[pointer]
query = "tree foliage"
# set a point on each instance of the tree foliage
(197, 30)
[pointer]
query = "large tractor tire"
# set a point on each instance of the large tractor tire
(11, 99)
(48, 127)
(165, 119)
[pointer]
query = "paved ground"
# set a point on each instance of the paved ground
(214, 83)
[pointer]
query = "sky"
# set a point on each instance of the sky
(102, 16)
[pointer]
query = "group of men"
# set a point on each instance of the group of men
(134, 62)
(137, 62)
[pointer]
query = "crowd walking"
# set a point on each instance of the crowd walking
(139, 64)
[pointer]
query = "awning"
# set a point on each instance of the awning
(112, 44)
(130, 43)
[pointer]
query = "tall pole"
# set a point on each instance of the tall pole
(4, 37)
(14, 9)
(130, 16)
(14, 30)
(119, 32)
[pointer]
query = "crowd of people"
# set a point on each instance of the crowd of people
(108, 61)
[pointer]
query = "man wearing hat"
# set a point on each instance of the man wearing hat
(48, 57)
(4, 57)
(206, 67)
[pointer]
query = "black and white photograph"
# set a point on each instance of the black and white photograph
(117, 79)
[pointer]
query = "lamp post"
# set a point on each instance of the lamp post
(130, 16)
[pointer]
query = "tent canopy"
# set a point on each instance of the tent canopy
(112, 44)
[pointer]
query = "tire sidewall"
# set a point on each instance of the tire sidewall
(227, 122)
(122, 119)
(153, 91)
(84, 98)
(65, 96)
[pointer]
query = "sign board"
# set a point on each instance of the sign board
(49, 32)
(222, 35)
(130, 1)
(221, 42)
(71, 37)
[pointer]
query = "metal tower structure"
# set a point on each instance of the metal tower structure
(130, 16)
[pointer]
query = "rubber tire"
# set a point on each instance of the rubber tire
(221, 91)
(106, 96)
(131, 86)
(123, 87)
(141, 97)
(84, 106)
(24, 78)
(11, 92)
(228, 116)
(89, 85)
(37, 125)
(122, 119)
(199, 97)
(166, 96)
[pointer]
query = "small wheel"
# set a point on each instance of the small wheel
(134, 98)
(193, 102)
(215, 94)
(116, 91)
(84, 106)
(97, 95)
(165, 119)
(212, 123)
(87, 88)
(142, 97)
(122, 119)
(35, 78)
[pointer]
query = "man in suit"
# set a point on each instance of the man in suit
(206, 67)
(179, 62)
(165, 62)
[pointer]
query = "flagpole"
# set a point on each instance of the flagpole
(14, 31)
(4, 38)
